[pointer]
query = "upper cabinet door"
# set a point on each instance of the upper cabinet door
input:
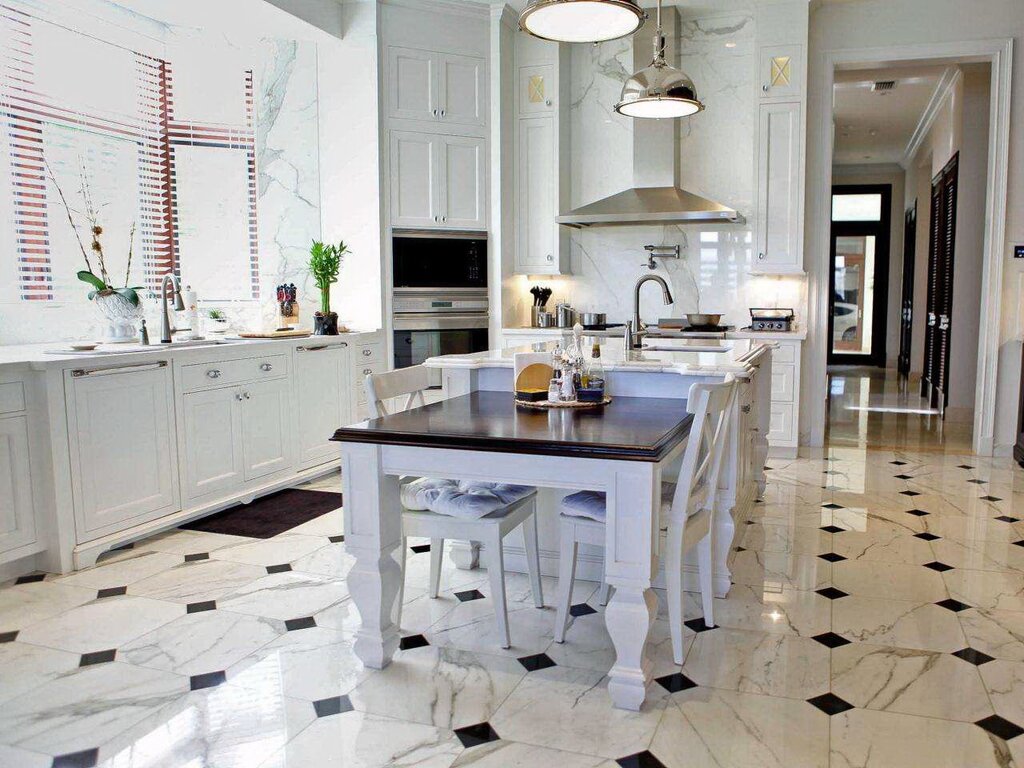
(779, 171)
(415, 186)
(781, 72)
(462, 87)
(535, 178)
(535, 89)
(463, 183)
(412, 84)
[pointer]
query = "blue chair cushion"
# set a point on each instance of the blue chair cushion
(471, 500)
(592, 504)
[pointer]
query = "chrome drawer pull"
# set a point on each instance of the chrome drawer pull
(321, 347)
(78, 372)
(367, 352)
(367, 371)
(238, 395)
(213, 373)
(266, 367)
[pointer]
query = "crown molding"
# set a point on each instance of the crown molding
(946, 83)
(467, 8)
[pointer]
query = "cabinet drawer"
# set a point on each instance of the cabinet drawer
(224, 372)
(360, 371)
(12, 397)
(783, 423)
(783, 382)
(369, 353)
(784, 353)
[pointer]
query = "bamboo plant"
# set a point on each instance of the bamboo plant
(324, 265)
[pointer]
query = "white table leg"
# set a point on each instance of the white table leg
(630, 565)
(373, 531)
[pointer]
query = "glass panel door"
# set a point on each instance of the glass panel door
(854, 299)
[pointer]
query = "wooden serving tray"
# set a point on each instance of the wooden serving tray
(544, 404)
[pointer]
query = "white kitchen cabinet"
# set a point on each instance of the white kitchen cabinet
(784, 426)
(441, 88)
(213, 441)
(437, 181)
(322, 376)
(266, 428)
(779, 188)
(17, 511)
(537, 166)
(123, 459)
(781, 72)
(534, 90)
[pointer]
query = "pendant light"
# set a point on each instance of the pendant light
(581, 21)
(660, 90)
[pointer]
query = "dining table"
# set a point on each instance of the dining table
(621, 449)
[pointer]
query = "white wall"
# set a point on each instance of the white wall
(868, 24)
(894, 177)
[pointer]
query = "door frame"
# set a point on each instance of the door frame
(882, 229)
(998, 53)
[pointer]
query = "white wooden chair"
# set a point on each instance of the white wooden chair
(489, 530)
(687, 512)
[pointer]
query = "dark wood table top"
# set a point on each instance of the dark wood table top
(629, 428)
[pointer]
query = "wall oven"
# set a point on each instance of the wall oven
(439, 303)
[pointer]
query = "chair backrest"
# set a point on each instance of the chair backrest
(381, 387)
(711, 406)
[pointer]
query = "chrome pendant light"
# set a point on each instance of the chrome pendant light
(581, 21)
(660, 90)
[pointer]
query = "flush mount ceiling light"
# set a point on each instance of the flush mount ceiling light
(581, 21)
(660, 90)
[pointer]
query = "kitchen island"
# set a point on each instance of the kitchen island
(478, 433)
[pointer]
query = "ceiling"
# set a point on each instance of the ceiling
(875, 127)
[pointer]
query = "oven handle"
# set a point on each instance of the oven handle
(431, 321)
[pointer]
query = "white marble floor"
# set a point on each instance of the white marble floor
(877, 619)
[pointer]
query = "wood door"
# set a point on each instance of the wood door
(213, 441)
(266, 428)
(934, 230)
(907, 300)
(941, 252)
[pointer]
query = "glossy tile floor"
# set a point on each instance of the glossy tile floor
(877, 620)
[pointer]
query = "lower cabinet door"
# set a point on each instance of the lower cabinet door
(17, 520)
(322, 382)
(266, 428)
(213, 441)
(124, 463)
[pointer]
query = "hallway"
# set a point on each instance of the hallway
(867, 409)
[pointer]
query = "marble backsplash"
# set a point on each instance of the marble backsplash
(717, 160)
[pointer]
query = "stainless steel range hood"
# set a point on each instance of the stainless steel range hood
(656, 197)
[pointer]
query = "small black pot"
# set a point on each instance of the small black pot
(325, 325)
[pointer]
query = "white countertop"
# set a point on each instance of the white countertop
(798, 334)
(59, 354)
(733, 357)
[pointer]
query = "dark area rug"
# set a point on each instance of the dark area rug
(268, 516)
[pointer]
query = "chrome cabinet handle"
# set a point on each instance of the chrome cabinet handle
(266, 367)
(550, 257)
(245, 395)
(367, 371)
(547, 102)
(435, 113)
(320, 348)
(760, 256)
(79, 372)
(444, 218)
(442, 113)
(765, 87)
(213, 373)
(367, 352)
(238, 395)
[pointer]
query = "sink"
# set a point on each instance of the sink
(126, 349)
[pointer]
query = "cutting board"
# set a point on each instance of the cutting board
(293, 333)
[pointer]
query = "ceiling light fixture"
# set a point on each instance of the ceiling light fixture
(581, 21)
(660, 90)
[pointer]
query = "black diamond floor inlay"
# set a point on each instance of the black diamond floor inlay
(832, 557)
(909, 493)
(898, 463)
(205, 605)
(935, 565)
(990, 498)
(643, 759)
(830, 505)
(111, 592)
(832, 529)
(1001, 727)
(952, 605)
(1008, 519)
(196, 556)
(830, 704)
(581, 609)
(831, 640)
(97, 657)
(8, 637)
(741, 549)
(675, 682)
(975, 657)
(412, 641)
(335, 539)
(536, 662)
(926, 536)
(831, 593)
(977, 481)
(87, 758)
(281, 568)
(419, 549)
(206, 680)
(1019, 543)
(903, 477)
(698, 625)
(335, 705)
(916, 512)
(964, 466)
(469, 594)
(304, 622)
(474, 735)
(30, 579)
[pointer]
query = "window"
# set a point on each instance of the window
(167, 145)
(857, 207)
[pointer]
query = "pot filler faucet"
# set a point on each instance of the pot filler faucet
(636, 329)
(166, 327)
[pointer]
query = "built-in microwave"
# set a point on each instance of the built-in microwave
(425, 259)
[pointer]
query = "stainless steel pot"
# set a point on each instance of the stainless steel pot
(590, 319)
(701, 319)
(566, 316)
(545, 320)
